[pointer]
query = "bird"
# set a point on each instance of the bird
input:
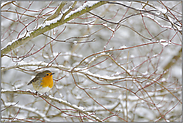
(42, 82)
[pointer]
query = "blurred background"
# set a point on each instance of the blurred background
(119, 62)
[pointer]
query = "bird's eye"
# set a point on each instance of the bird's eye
(47, 74)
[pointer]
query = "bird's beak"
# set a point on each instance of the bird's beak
(52, 73)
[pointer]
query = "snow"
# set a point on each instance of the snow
(41, 63)
(106, 77)
(75, 42)
(19, 85)
(66, 58)
(122, 47)
(59, 87)
(87, 4)
(9, 43)
(120, 97)
(78, 97)
(64, 54)
(132, 56)
(105, 24)
(145, 73)
(130, 51)
(168, 26)
(51, 21)
(103, 53)
(111, 48)
(134, 98)
(59, 99)
(34, 110)
(164, 42)
(81, 108)
(163, 79)
(3, 3)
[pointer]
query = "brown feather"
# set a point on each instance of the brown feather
(39, 75)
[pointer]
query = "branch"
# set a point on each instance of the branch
(57, 12)
(58, 100)
(16, 43)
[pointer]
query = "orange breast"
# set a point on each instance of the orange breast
(47, 81)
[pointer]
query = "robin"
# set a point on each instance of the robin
(43, 81)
